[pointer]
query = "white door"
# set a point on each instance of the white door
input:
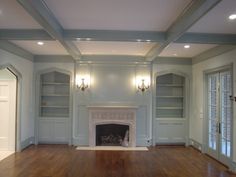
(220, 116)
(7, 115)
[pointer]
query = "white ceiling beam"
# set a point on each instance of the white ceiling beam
(14, 49)
(120, 36)
(190, 16)
(207, 38)
(24, 34)
(115, 35)
(42, 14)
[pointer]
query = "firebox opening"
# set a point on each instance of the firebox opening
(112, 135)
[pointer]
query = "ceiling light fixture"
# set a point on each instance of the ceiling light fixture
(88, 39)
(187, 46)
(40, 43)
(232, 17)
(78, 39)
(138, 40)
(148, 40)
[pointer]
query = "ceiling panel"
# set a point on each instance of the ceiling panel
(114, 48)
(178, 50)
(140, 15)
(13, 16)
(49, 47)
(216, 21)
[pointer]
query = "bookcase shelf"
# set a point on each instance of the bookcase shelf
(54, 94)
(170, 96)
(55, 83)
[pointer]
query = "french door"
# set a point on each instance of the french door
(220, 115)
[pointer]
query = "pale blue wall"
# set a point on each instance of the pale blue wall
(112, 84)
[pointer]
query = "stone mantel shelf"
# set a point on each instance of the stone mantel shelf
(118, 107)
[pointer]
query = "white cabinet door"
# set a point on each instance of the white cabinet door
(7, 114)
(53, 131)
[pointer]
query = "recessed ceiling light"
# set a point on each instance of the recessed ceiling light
(78, 39)
(187, 46)
(148, 40)
(138, 40)
(88, 39)
(232, 17)
(40, 43)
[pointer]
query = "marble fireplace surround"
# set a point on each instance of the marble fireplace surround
(123, 115)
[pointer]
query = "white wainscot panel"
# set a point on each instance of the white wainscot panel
(142, 127)
(60, 131)
(170, 131)
(45, 130)
(81, 126)
(53, 131)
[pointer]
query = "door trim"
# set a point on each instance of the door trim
(228, 67)
(18, 103)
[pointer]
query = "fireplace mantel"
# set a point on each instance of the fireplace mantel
(101, 114)
(111, 106)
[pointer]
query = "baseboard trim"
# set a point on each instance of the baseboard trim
(80, 141)
(233, 168)
(29, 141)
(195, 144)
(170, 144)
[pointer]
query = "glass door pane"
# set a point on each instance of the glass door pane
(212, 110)
(225, 113)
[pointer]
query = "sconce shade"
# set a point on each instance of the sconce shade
(143, 87)
(83, 85)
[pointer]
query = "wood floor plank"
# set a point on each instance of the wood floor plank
(65, 161)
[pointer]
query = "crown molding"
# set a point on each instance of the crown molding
(218, 50)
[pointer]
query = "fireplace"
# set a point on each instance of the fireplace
(118, 124)
(112, 135)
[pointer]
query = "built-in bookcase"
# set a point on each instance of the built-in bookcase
(54, 94)
(170, 96)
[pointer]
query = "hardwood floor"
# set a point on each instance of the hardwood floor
(64, 161)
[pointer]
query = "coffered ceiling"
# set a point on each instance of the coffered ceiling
(148, 15)
(13, 16)
(114, 48)
(178, 50)
(149, 28)
(217, 21)
(48, 47)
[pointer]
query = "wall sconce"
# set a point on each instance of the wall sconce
(144, 85)
(82, 83)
